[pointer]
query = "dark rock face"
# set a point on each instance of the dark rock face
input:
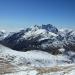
(11, 41)
(50, 28)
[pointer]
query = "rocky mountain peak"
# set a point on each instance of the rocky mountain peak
(50, 28)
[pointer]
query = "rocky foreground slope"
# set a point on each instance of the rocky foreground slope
(34, 63)
(9, 69)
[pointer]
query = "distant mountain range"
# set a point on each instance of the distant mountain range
(46, 38)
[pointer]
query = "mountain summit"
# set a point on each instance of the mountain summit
(50, 28)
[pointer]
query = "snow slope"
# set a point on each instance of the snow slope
(34, 57)
(35, 62)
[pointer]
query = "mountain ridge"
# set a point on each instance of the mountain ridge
(46, 37)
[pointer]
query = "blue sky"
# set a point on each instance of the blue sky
(16, 14)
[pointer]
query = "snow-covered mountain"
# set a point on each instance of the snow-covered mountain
(46, 37)
(38, 50)
(30, 38)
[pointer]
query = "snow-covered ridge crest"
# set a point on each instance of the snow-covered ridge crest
(38, 32)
